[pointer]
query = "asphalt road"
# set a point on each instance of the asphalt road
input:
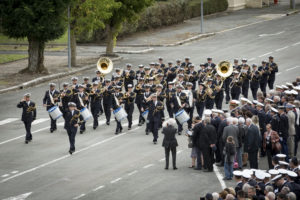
(129, 166)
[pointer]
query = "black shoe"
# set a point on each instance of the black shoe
(71, 152)
(175, 168)
(129, 128)
(94, 127)
(121, 129)
(166, 168)
(227, 102)
(147, 132)
(54, 129)
(179, 133)
(197, 168)
(154, 142)
(208, 170)
(26, 141)
(100, 113)
(140, 124)
(51, 130)
(107, 123)
(81, 131)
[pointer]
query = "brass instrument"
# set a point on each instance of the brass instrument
(104, 65)
(31, 108)
(224, 69)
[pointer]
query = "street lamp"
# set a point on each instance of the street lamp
(69, 39)
(202, 31)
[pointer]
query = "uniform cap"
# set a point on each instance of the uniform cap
(107, 80)
(237, 173)
(52, 84)
(95, 83)
(65, 84)
(129, 85)
(283, 163)
(274, 110)
(273, 172)
(159, 86)
(292, 174)
(279, 176)
(260, 104)
(71, 104)
(270, 100)
(141, 66)
(280, 155)
(260, 175)
(282, 171)
(207, 112)
(74, 79)
(27, 95)
(86, 78)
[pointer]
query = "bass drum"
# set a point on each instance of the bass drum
(182, 116)
(55, 112)
(120, 114)
(85, 113)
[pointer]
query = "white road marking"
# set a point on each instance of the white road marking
(100, 123)
(296, 44)
(291, 68)
(14, 172)
(147, 166)
(23, 136)
(283, 48)
(5, 175)
(78, 197)
(19, 197)
(278, 73)
(271, 34)
(8, 120)
(163, 159)
(133, 172)
(116, 180)
(38, 121)
(219, 176)
(178, 152)
(64, 157)
(98, 188)
(265, 54)
(251, 59)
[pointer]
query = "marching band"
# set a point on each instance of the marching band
(180, 87)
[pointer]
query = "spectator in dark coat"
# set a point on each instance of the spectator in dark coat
(210, 144)
(229, 152)
(169, 141)
(253, 140)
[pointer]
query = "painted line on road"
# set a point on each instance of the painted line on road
(19, 197)
(147, 166)
(219, 176)
(5, 175)
(38, 121)
(252, 59)
(271, 34)
(265, 54)
(278, 73)
(64, 157)
(116, 180)
(8, 120)
(296, 44)
(161, 160)
(79, 196)
(283, 48)
(178, 152)
(98, 188)
(132, 173)
(14, 172)
(291, 68)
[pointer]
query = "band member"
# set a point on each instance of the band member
(178, 63)
(201, 74)
(139, 90)
(180, 80)
(129, 98)
(107, 99)
(81, 99)
(140, 73)
(65, 98)
(87, 85)
(220, 87)
(117, 100)
(254, 81)
(264, 73)
(147, 74)
(235, 85)
(146, 99)
(161, 95)
(51, 98)
(273, 69)
(161, 63)
(170, 73)
(186, 63)
(170, 93)
(210, 63)
(98, 78)
(28, 115)
(95, 97)
(192, 76)
(245, 76)
(117, 73)
(128, 76)
(180, 102)
(160, 81)
(155, 116)
(199, 98)
(190, 108)
(74, 85)
(72, 122)
(236, 65)
(211, 94)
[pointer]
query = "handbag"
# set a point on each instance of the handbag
(277, 147)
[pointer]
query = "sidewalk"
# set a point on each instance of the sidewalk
(56, 62)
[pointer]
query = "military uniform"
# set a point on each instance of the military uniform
(51, 98)
(95, 99)
(236, 89)
(273, 69)
(210, 98)
(81, 101)
(254, 84)
(128, 78)
(200, 97)
(129, 106)
(170, 93)
(28, 116)
(139, 90)
(107, 102)
(245, 83)
(219, 94)
(117, 100)
(155, 117)
(180, 99)
(72, 118)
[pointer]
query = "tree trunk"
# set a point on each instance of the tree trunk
(110, 41)
(73, 48)
(35, 57)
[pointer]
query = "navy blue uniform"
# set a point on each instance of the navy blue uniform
(71, 120)
(28, 116)
(155, 117)
(129, 106)
(47, 100)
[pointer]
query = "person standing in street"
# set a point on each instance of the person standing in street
(270, 141)
(292, 132)
(253, 143)
(210, 144)
(28, 115)
(229, 153)
(155, 116)
(169, 141)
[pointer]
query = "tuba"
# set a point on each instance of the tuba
(224, 69)
(104, 65)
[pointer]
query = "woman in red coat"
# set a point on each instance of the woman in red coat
(271, 144)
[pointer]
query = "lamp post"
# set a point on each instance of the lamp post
(202, 31)
(69, 39)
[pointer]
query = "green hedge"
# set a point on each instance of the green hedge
(163, 13)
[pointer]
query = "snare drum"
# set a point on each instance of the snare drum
(145, 114)
(120, 114)
(182, 116)
(85, 113)
(55, 112)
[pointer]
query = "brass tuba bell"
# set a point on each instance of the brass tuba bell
(104, 65)
(224, 69)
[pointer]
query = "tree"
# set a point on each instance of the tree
(38, 21)
(86, 16)
(128, 11)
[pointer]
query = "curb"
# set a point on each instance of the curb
(135, 52)
(50, 77)
(197, 37)
(292, 12)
